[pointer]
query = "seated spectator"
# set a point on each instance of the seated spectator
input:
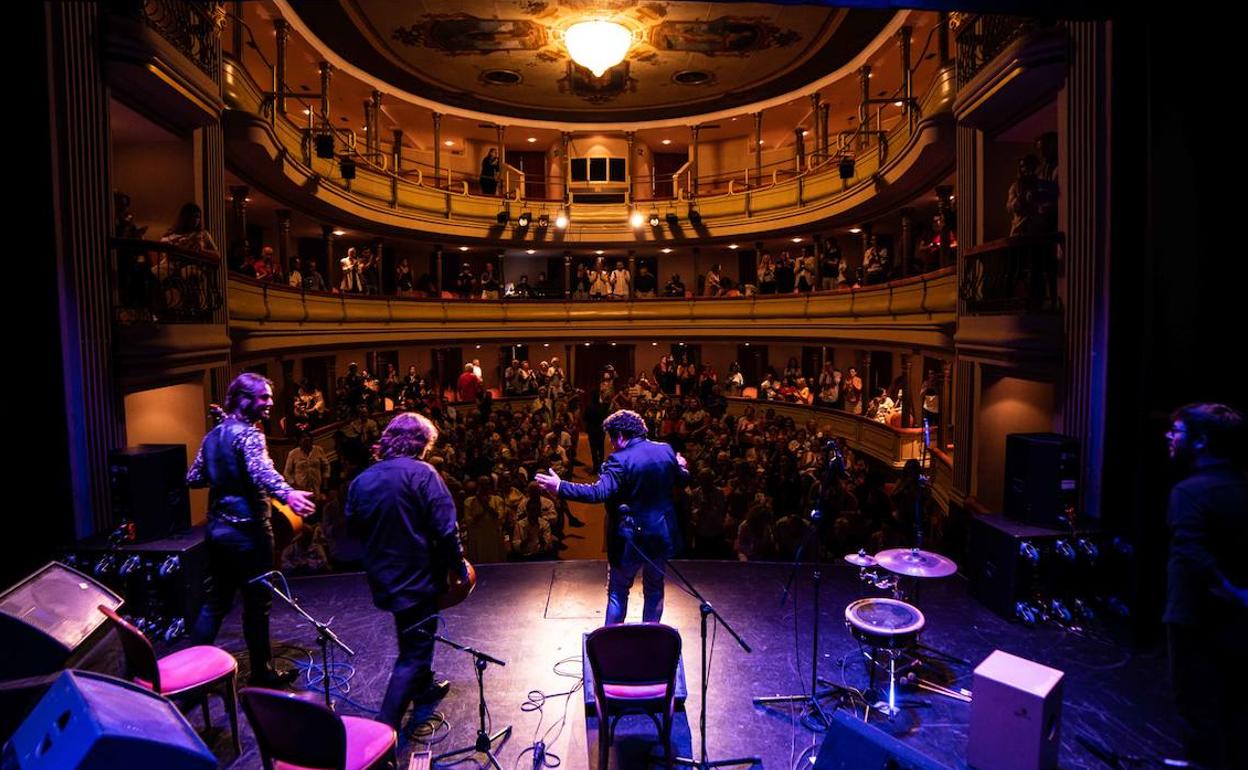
(675, 287)
(532, 539)
(484, 515)
(188, 231)
(313, 280)
(404, 283)
(880, 407)
(295, 279)
(646, 284)
(306, 554)
(522, 290)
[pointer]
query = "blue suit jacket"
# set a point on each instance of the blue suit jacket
(641, 476)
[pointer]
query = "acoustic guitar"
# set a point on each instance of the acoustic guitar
(457, 590)
(286, 523)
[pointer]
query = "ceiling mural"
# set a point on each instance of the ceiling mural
(507, 56)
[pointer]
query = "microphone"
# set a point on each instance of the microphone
(628, 525)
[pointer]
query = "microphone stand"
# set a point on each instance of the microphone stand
(706, 611)
(485, 742)
(324, 636)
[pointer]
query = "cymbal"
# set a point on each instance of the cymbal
(860, 559)
(913, 562)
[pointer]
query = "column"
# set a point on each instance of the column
(502, 149)
(758, 147)
(437, 148)
(374, 129)
(905, 249)
(944, 195)
(439, 371)
(693, 162)
(799, 150)
(282, 30)
(238, 218)
(945, 388)
(632, 271)
(437, 269)
(567, 167)
(867, 391)
(692, 285)
(907, 85)
(823, 126)
(864, 114)
(283, 240)
(333, 272)
(816, 131)
(628, 165)
(907, 395)
(942, 37)
(326, 74)
(502, 277)
(567, 276)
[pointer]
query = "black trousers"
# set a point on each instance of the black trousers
(413, 669)
(1209, 684)
(236, 554)
(596, 449)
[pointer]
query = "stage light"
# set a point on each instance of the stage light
(637, 219)
(561, 220)
(846, 168)
(324, 145)
(673, 221)
(501, 217)
(654, 219)
(543, 221)
(695, 218)
(524, 219)
(346, 167)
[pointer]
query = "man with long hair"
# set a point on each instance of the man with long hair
(403, 513)
(1207, 592)
(234, 463)
(639, 474)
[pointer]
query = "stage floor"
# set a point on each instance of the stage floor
(533, 616)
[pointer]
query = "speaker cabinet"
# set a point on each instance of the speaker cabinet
(1015, 715)
(148, 484)
(49, 620)
(90, 721)
(1042, 479)
(851, 744)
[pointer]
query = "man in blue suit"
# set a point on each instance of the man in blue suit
(638, 477)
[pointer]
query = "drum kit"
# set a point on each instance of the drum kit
(888, 628)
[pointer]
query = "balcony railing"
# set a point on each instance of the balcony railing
(193, 28)
(1011, 275)
(158, 282)
(981, 38)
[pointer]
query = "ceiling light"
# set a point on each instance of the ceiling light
(612, 344)
(666, 251)
(339, 232)
(733, 246)
(899, 104)
(805, 132)
(855, 230)
(545, 344)
(531, 251)
(637, 219)
(599, 252)
(667, 141)
(449, 143)
(532, 139)
(561, 220)
(760, 141)
(597, 45)
(586, 344)
(463, 248)
(796, 240)
(478, 347)
(307, 111)
(654, 344)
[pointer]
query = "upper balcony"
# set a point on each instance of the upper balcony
(880, 163)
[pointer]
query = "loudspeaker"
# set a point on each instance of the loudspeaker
(148, 484)
(324, 145)
(1016, 714)
(49, 620)
(1042, 478)
(852, 744)
(90, 721)
(161, 580)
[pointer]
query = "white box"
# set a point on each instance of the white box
(1016, 714)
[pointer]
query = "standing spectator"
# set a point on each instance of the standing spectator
(786, 274)
(766, 273)
(490, 167)
(647, 284)
(463, 282)
(621, 282)
(873, 264)
(806, 271)
(675, 287)
(469, 385)
(295, 280)
(581, 283)
(307, 466)
(489, 282)
(830, 265)
(851, 389)
(188, 231)
(313, 281)
(403, 282)
(830, 386)
(712, 286)
(736, 380)
(123, 222)
(599, 281)
(370, 271)
(350, 274)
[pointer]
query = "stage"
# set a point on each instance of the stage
(533, 616)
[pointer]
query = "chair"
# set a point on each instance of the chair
(295, 731)
(186, 675)
(634, 669)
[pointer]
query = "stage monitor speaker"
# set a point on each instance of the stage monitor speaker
(852, 744)
(1042, 478)
(1015, 715)
(89, 721)
(49, 620)
(148, 485)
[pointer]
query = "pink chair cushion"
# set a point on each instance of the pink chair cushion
(367, 741)
(634, 691)
(192, 667)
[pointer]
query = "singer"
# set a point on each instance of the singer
(403, 513)
(234, 463)
(636, 484)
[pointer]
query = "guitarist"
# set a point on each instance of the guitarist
(234, 463)
(403, 513)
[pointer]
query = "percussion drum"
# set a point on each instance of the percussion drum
(885, 624)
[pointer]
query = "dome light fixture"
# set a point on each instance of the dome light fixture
(637, 219)
(597, 45)
(561, 220)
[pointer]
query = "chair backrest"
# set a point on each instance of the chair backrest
(140, 657)
(295, 729)
(633, 654)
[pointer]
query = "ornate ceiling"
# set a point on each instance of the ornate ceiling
(505, 56)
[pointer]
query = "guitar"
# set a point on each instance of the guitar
(286, 523)
(457, 590)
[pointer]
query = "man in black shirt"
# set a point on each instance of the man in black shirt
(646, 284)
(403, 514)
(674, 288)
(1207, 593)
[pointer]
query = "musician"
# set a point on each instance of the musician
(1207, 593)
(640, 474)
(234, 463)
(403, 513)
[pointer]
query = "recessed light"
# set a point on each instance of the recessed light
(599, 252)
(899, 104)
(655, 344)
(732, 246)
(545, 344)
(666, 251)
(478, 347)
(796, 240)
(532, 139)
(855, 230)
(612, 344)
(365, 128)
(307, 111)
(449, 143)
(586, 344)
(760, 141)
(747, 344)
(667, 141)
(463, 248)
(340, 232)
(531, 251)
(805, 132)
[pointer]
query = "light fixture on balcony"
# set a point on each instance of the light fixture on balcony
(524, 219)
(597, 45)
(654, 219)
(543, 221)
(561, 220)
(637, 219)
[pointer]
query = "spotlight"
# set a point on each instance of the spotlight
(524, 219)
(846, 168)
(695, 218)
(324, 145)
(543, 221)
(673, 221)
(501, 217)
(561, 220)
(637, 219)
(654, 219)
(346, 167)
